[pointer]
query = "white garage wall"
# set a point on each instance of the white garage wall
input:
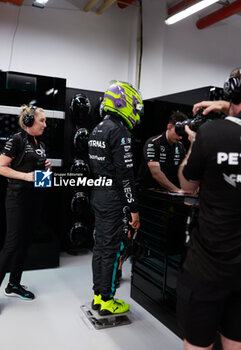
(181, 57)
(87, 49)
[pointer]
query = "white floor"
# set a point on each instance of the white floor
(54, 321)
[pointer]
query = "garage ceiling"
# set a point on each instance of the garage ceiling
(100, 6)
(82, 4)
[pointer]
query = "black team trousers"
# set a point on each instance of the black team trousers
(107, 241)
(23, 207)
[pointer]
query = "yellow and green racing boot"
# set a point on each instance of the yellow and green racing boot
(96, 302)
(113, 307)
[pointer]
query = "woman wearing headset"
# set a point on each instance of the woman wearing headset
(23, 153)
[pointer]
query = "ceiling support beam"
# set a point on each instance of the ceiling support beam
(105, 6)
(15, 2)
(90, 5)
(123, 4)
(219, 15)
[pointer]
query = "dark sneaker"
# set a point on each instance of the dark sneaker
(112, 307)
(18, 291)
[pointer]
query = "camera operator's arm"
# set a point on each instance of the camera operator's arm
(212, 106)
(188, 185)
(161, 178)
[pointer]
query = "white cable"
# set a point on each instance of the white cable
(12, 44)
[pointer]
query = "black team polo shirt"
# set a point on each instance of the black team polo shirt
(214, 254)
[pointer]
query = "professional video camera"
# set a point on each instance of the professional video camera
(195, 123)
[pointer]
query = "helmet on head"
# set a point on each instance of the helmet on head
(123, 99)
(80, 106)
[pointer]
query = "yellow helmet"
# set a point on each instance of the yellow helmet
(123, 99)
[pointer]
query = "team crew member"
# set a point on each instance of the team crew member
(163, 154)
(110, 156)
(209, 289)
(22, 154)
(216, 106)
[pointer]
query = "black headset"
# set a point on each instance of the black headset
(28, 119)
(232, 89)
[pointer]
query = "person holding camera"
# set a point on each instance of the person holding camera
(23, 153)
(209, 284)
(163, 154)
(110, 156)
(221, 106)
